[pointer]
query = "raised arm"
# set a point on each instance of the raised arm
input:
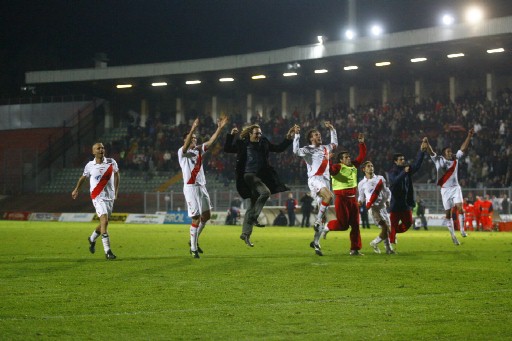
(229, 147)
(296, 142)
(334, 134)
(188, 139)
(419, 158)
(465, 144)
(429, 149)
(220, 124)
(362, 151)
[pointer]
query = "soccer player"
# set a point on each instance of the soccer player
(447, 165)
(103, 174)
(402, 192)
(316, 155)
(255, 178)
(375, 195)
(190, 157)
(344, 185)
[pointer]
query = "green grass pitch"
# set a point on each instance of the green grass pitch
(53, 288)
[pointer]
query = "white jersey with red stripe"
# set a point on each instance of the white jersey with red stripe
(447, 169)
(191, 164)
(317, 158)
(95, 172)
(367, 188)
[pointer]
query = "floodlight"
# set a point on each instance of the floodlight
(159, 84)
(350, 34)
(419, 59)
(376, 30)
(351, 67)
(382, 63)
(320, 39)
(193, 82)
(447, 19)
(259, 77)
(455, 55)
(226, 79)
(321, 71)
(474, 15)
(289, 74)
(123, 86)
(498, 50)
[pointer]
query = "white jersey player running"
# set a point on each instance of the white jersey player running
(103, 174)
(317, 155)
(375, 195)
(190, 157)
(447, 166)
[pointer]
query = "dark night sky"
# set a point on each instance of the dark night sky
(58, 34)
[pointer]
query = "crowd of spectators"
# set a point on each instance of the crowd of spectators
(397, 126)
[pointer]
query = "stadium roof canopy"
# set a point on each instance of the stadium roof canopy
(473, 40)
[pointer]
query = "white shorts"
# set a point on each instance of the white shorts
(316, 183)
(451, 196)
(380, 213)
(103, 206)
(198, 200)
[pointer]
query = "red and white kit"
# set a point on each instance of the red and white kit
(447, 179)
(375, 193)
(102, 184)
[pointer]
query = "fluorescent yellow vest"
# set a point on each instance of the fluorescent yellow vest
(345, 179)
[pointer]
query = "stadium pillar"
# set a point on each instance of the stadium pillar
(284, 97)
(352, 97)
(249, 107)
(452, 89)
(143, 112)
(318, 102)
(385, 92)
(109, 118)
(418, 91)
(179, 112)
(214, 109)
(489, 86)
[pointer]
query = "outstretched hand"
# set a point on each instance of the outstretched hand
(234, 131)
(329, 125)
(360, 138)
(221, 122)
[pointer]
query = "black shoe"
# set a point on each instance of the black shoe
(92, 245)
(254, 222)
(318, 251)
(109, 255)
(246, 239)
(198, 248)
(195, 254)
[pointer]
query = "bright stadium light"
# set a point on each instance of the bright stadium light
(193, 82)
(382, 63)
(474, 15)
(447, 19)
(321, 39)
(350, 67)
(418, 60)
(455, 55)
(289, 74)
(350, 34)
(159, 84)
(226, 79)
(123, 86)
(321, 71)
(498, 50)
(376, 30)
(259, 77)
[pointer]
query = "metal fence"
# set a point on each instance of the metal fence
(221, 199)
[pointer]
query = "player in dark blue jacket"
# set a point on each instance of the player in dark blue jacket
(402, 192)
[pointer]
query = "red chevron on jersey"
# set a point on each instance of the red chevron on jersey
(448, 174)
(323, 165)
(195, 171)
(103, 182)
(375, 194)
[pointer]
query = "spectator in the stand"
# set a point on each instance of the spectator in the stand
(280, 219)
(306, 206)
(505, 204)
(291, 205)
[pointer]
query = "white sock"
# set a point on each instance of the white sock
(462, 222)
(321, 211)
(94, 236)
(387, 244)
(377, 240)
(449, 225)
(106, 241)
(200, 229)
(193, 237)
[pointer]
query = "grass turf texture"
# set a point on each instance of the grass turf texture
(53, 288)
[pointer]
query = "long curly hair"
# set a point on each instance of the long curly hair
(247, 130)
